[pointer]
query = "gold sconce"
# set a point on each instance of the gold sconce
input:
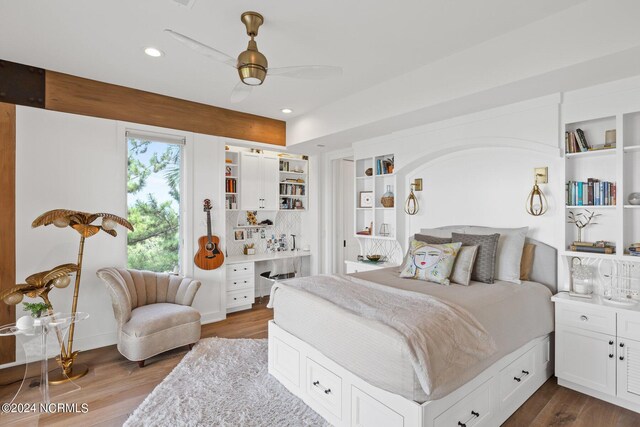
(411, 207)
(537, 204)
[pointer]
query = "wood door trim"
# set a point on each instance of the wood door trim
(71, 94)
(7, 222)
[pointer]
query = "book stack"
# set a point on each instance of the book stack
(600, 247)
(231, 185)
(291, 190)
(576, 142)
(591, 193)
(384, 166)
(288, 204)
(634, 249)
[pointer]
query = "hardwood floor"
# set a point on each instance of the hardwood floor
(115, 387)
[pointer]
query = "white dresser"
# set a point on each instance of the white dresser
(240, 286)
(598, 349)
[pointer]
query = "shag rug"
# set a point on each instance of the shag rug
(223, 382)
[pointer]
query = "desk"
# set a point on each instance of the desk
(243, 274)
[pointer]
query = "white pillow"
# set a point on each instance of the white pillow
(510, 247)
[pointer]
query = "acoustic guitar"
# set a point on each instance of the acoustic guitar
(209, 256)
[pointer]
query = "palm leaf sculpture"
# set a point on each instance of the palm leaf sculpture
(40, 284)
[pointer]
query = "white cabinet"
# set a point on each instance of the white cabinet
(240, 286)
(597, 349)
(259, 180)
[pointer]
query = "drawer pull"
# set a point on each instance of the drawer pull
(524, 374)
(474, 414)
(316, 382)
(610, 355)
(621, 357)
(584, 318)
(610, 342)
(327, 391)
(320, 386)
(621, 344)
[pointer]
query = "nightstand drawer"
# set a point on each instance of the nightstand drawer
(239, 270)
(585, 317)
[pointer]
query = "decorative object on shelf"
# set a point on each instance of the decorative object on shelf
(599, 247)
(40, 284)
(411, 206)
(249, 249)
(634, 249)
(374, 257)
(581, 279)
(238, 235)
(369, 172)
(251, 218)
(388, 198)
(36, 309)
(581, 220)
(537, 204)
(367, 230)
(634, 199)
(366, 199)
(384, 166)
(384, 229)
(610, 138)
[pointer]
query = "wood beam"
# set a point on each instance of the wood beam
(7, 222)
(76, 95)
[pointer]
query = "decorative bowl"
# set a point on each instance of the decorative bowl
(634, 199)
(374, 258)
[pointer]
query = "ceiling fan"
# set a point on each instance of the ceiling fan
(252, 65)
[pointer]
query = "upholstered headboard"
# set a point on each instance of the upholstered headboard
(545, 257)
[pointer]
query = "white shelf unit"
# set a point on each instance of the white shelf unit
(231, 174)
(293, 187)
(618, 223)
(378, 183)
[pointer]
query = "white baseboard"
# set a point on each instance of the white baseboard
(599, 395)
(212, 317)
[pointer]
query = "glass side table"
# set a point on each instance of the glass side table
(35, 341)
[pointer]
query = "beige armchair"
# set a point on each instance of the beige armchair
(153, 311)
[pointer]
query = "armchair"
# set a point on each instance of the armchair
(153, 311)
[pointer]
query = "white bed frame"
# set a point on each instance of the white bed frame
(344, 399)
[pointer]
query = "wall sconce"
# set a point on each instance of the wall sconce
(537, 204)
(411, 207)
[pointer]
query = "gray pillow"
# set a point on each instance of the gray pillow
(509, 255)
(463, 267)
(432, 239)
(484, 268)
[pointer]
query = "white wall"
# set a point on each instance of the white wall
(78, 162)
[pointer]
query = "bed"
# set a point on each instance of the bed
(355, 371)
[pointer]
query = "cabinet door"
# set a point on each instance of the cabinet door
(250, 181)
(586, 358)
(270, 183)
(629, 370)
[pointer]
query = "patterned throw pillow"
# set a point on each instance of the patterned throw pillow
(484, 268)
(430, 262)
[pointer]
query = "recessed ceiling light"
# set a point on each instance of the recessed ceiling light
(152, 51)
(287, 110)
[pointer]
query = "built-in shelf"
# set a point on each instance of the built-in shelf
(364, 177)
(293, 173)
(231, 164)
(230, 193)
(632, 206)
(591, 207)
(230, 176)
(595, 153)
(593, 255)
(631, 148)
(383, 208)
(383, 175)
(288, 196)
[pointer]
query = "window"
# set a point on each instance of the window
(154, 177)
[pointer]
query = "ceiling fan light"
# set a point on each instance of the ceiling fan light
(251, 74)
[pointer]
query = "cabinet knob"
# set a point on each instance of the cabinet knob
(610, 342)
(584, 318)
(621, 344)
(621, 357)
(610, 356)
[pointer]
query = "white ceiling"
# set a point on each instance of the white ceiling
(373, 42)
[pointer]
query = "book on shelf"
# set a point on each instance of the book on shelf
(576, 142)
(231, 185)
(384, 166)
(292, 190)
(591, 193)
(593, 249)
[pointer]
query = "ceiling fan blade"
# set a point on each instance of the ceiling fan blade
(203, 48)
(240, 92)
(309, 72)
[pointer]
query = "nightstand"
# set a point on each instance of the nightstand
(358, 266)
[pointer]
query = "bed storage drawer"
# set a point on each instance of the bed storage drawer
(243, 269)
(325, 387)
(240, 298)
(474, 410)
(286, 360)
(584, 317)
(517, 374)
(367, 411)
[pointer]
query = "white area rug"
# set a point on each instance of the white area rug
(223, 382)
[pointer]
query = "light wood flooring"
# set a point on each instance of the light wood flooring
(115, 387)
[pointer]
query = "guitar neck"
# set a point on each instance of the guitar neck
(209, 226)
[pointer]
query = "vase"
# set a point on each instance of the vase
(388, 198)
(634, 199)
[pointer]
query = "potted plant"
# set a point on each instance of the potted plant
(37, 310)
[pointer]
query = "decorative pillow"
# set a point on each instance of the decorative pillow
(463, 266)
(430, 262)
(443, 231)
(509, 253)
(484, 268)
(432, 239)
(526, 264)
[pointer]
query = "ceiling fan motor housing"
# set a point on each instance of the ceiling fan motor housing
(252, 65)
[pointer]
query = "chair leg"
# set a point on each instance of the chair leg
(141, 363)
